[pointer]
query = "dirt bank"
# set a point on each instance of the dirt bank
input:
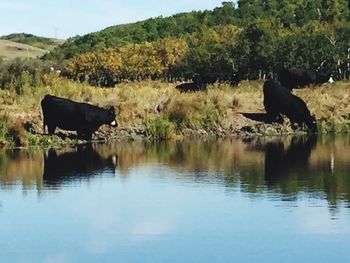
(219, 111)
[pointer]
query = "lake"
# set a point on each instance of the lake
(261, 200)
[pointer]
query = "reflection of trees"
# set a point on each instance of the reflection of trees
(194, 156)
(21, 167)
(82, 163)
(334, 172)
(285, 167)
(299, 166)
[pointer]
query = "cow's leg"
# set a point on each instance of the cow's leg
(300, 124)
(279, 119)
(80, 134)
(51, 129)
(294, 123)
(88, 135)
(275, 117)
(84, 134)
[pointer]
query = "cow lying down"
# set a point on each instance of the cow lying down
(279, 100)
(83, 118)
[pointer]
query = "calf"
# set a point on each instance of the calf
(294, 78)
(83, 118)
(279, 100)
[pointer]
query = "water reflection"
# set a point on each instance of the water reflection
(287, 167)
(79, 164)
(282, 162)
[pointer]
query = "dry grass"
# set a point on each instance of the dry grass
(139, 102)
(10, 50)
(330, 104)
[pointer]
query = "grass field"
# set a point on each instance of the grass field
(10, 50)
(158, 107)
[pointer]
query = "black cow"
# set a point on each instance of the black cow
(83, 118)
(189, 87)
(294, 78)
(196, 85)
(279, 100)
(229, 77)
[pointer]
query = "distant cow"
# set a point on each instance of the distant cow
(83, 118)
(294, 78)
(279, 100)
(188, 87)
(229, 77)
(196, 85)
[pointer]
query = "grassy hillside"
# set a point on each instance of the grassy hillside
(152, 29)
(10, 50)
(32, 40)
(282, 15)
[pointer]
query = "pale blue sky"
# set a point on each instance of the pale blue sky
(67, 18)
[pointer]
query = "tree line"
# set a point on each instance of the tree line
(255, 38)
(258, 50)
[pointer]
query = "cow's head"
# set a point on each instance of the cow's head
(331, 80)
(324, 77)
(311, 124)
(112, 117)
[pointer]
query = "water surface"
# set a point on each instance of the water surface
(264, 200)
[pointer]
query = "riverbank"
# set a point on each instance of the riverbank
(156, 110)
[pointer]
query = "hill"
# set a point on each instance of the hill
(10, 50)
(32, 40)
(179, 25)
(255, 39)
(267, 26)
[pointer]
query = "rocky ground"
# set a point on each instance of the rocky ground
(235, 124)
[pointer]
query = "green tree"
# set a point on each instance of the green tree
(255, 50)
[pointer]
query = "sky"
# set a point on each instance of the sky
(68, 18)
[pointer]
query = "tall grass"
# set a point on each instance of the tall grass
(160, 110)
(159, 129)
(5, 139)
(330, 104)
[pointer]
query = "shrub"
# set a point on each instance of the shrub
(5, 139)
(48, 141)
(159, 129)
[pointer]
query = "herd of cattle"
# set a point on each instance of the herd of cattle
(278, 96)
(289, 78)
(85, 118)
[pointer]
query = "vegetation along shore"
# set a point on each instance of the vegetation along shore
(157, 111)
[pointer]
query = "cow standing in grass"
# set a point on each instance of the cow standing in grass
(83, 118)
(297, 78)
